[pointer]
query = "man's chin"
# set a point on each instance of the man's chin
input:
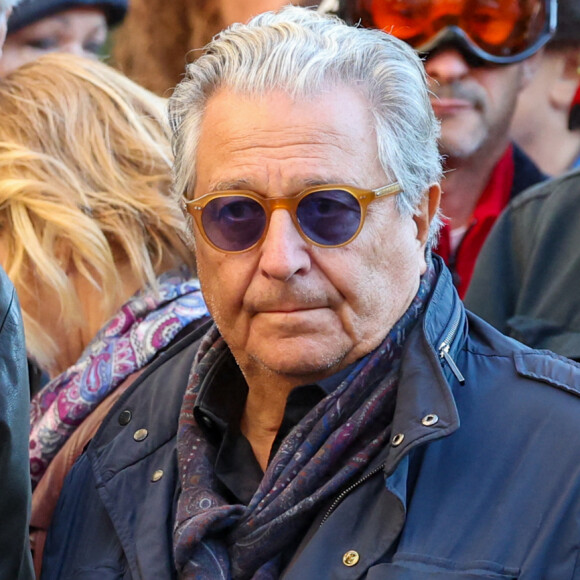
(457, 150)
(459, 141)
(305, 368)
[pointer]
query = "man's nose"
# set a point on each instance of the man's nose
(284, 253)
(446, 66)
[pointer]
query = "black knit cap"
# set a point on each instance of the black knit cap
(31, 11)
(568, 29)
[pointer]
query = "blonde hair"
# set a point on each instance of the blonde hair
(85, 181)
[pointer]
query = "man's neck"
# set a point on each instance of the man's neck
(553, 152)
(464, 183)
(265, 406)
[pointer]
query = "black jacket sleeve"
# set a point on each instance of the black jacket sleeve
(15, 559)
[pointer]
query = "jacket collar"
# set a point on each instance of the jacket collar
(425, 408)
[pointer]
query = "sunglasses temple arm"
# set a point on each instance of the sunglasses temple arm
(388, 190)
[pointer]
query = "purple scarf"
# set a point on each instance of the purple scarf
(334, 443)
(144, 325)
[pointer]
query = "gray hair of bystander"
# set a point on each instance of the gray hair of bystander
(307, 54)
(6, 5)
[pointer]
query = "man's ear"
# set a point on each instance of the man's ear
(562, 92)
(428, 209)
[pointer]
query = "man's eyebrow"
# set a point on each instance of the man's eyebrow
(245, 184)
(311, 181)
(231, 185)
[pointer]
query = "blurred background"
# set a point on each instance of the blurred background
(158, 37)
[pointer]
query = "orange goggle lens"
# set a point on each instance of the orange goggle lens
(497, 30)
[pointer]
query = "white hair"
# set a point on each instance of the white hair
(304, 53)
(6, 5)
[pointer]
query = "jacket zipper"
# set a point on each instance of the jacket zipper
(446, 345)
(338, 500)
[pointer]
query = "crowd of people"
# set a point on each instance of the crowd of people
(233, 338)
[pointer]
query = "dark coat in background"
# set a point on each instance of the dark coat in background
(15, 560)
(158, 37)
(526, 281)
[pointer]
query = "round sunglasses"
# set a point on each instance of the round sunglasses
(329, 216)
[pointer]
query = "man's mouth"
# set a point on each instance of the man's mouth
(288, 308)
(448, 106)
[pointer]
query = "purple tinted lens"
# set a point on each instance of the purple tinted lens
(329, 218)
(233, 223)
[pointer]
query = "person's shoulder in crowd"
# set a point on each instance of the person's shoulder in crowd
(525, 278)
(547, 191)
(131, 463)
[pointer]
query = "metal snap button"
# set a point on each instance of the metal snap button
(140, 434)
(351, 558)
(125, 417)
(207, 422)
(157, 475)
(397, 439)
(430, 419)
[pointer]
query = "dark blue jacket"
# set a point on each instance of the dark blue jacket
(481, 479)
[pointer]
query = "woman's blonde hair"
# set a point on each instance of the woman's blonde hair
(85, 180)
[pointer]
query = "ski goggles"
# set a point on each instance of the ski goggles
(494, 31)
(328, 216)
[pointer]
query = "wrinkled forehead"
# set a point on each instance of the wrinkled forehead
(334, 122)
(285, 138)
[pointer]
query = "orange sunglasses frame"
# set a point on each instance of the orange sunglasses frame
(195, 208)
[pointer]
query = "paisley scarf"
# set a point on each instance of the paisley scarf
(333, 444)
(143, 326)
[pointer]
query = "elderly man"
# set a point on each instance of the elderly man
(479, 55)
(15, 562)
(343, 416)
